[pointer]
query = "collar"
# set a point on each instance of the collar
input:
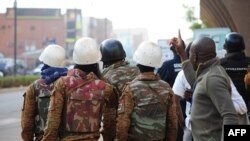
(118, 64)
(203, 67)
(115, 65)
(177, 56)
(235, 55)
(81, 74)
(148, 76)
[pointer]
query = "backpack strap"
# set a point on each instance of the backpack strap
(162, 105)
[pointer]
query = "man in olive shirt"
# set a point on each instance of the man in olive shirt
(212, 107)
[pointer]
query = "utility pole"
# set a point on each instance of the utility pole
(15, 37)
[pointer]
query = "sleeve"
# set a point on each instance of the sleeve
(54, 113)
(189, 72)
(239, 103)
(109, 113)
(171, 119)
(28, 114)
(220, 96)
(179, 87)
(125, 108)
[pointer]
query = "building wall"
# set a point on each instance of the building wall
(33, 33)
(30, 33)
(100, 29)
(234, 14)
(240, 12)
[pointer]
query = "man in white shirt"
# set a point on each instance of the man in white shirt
(179, 88)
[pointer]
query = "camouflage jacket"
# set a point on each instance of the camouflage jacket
(119, 74)
(147, 110)
(35, 110)
(77, 105)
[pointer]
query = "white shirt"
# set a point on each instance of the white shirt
(239, 103)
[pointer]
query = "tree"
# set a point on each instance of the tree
(196, 23)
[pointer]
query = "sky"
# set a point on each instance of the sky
(161, 18)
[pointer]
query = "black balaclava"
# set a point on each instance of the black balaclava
(90, 68)
(143, 68)
(109, 63)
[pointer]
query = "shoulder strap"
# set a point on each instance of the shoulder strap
(162, 105)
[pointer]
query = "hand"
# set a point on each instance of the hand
(188, 95)
(177, 42)
(179, 45)
(182, 121)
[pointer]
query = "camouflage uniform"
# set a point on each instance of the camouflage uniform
(147, 110)
(77, 105)
(119, 74)
(35, 110)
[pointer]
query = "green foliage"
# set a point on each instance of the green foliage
(195, 25)
(195, 22)
(15, 81)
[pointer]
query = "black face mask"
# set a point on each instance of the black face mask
(90, 68)
(145, 68)
(109, 63)
(45, 66)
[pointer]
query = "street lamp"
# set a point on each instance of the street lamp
(15, 36)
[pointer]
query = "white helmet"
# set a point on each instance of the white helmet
(148, 54)
(53, 55)
(86, 51)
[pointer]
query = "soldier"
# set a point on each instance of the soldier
(37, 95)
(147, 108)
(236, 63)
(117, 71)
(80, 99)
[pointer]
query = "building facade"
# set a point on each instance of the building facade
(36, 28)
(98, 28)
(234, 14)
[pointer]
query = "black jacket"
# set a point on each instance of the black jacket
(236, 65)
